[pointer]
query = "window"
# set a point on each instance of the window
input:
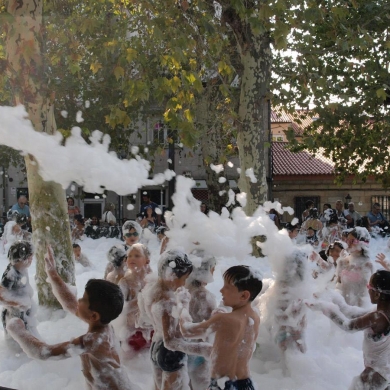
(159, 133)
(277, 138)
(384, 201)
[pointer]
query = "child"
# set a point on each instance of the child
(160, 232)
(101, 303)
(353, 272)
(16, 292)
(115, 269)
(235, 332)
(201, 306)
(376, 326)
(311, 236)
(138, 259)
(157, 303)
(80, 257)
(131, 231)
(78, 229)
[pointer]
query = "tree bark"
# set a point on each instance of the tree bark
(253, 122)
(25, 67)
(212, 145)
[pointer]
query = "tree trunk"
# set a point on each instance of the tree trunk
(213, 145)
(253, 129)
(25, 68)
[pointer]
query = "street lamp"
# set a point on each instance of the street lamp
(348, 198)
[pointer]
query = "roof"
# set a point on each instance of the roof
(299, 120)
(286, 162)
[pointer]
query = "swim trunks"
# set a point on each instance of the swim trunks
(241, 384)
(167, 360)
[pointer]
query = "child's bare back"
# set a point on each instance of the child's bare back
(235, 337)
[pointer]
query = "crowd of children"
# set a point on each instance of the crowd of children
(193, 342)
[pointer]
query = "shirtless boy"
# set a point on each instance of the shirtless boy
(101, 303)
(232, 350)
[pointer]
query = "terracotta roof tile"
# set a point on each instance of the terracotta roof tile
(286, 162)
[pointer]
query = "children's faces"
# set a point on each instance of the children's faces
(136, 259)
(353, 242)
(231, 296)
(77, 252)
(83, 311)
(335, 252)
(131, 237)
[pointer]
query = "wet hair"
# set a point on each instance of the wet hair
(21, 219)
(244, 279)
(128, 225)
(142, 248)
(290, 227)
(381, 282)
(176, 261)
(361, 234)
(79, 218)
(313, 213)
(76, 246)
(105, 298)
(116, 256)
(331, 246)
(20, 251)
(161, 230)
(327, 204)
(201, 274)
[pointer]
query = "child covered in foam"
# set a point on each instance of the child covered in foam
(101, 303)
(131, 232)
(235, 332)
(353, 272)
(138, 260)
(158, 306)
(376, 327)
(116, 259)
(201, 307)
(15, 291)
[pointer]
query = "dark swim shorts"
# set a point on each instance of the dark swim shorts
(167, 360)
(241, 384)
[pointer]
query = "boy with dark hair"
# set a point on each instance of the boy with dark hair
(80, 257)
(15, 290)
(232, 350)
(101, 303)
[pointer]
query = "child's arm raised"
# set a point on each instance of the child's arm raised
(60, 290)
(350, 325)
(37, 349)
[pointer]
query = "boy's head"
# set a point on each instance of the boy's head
(245, 280)
(204, 264)
(379, 286)
(174, 264)
(131, 232)
(76, 250)
(104, 298)
(20, 252)
(160, 232)
(116, 256)
(138, 257)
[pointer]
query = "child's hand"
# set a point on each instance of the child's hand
(183, 297)
(313, 256)
(50, 263)
(380, 258)
(314, 305)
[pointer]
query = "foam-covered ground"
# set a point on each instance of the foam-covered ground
(333, 357)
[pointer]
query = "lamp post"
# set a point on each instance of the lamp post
(348, 198)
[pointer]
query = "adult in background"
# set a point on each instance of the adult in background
(108, 216)
(21, 207)
(72, 210)
(376, 218)
(351, 215)
(309, 204)
(340, 213)
(146, 202)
